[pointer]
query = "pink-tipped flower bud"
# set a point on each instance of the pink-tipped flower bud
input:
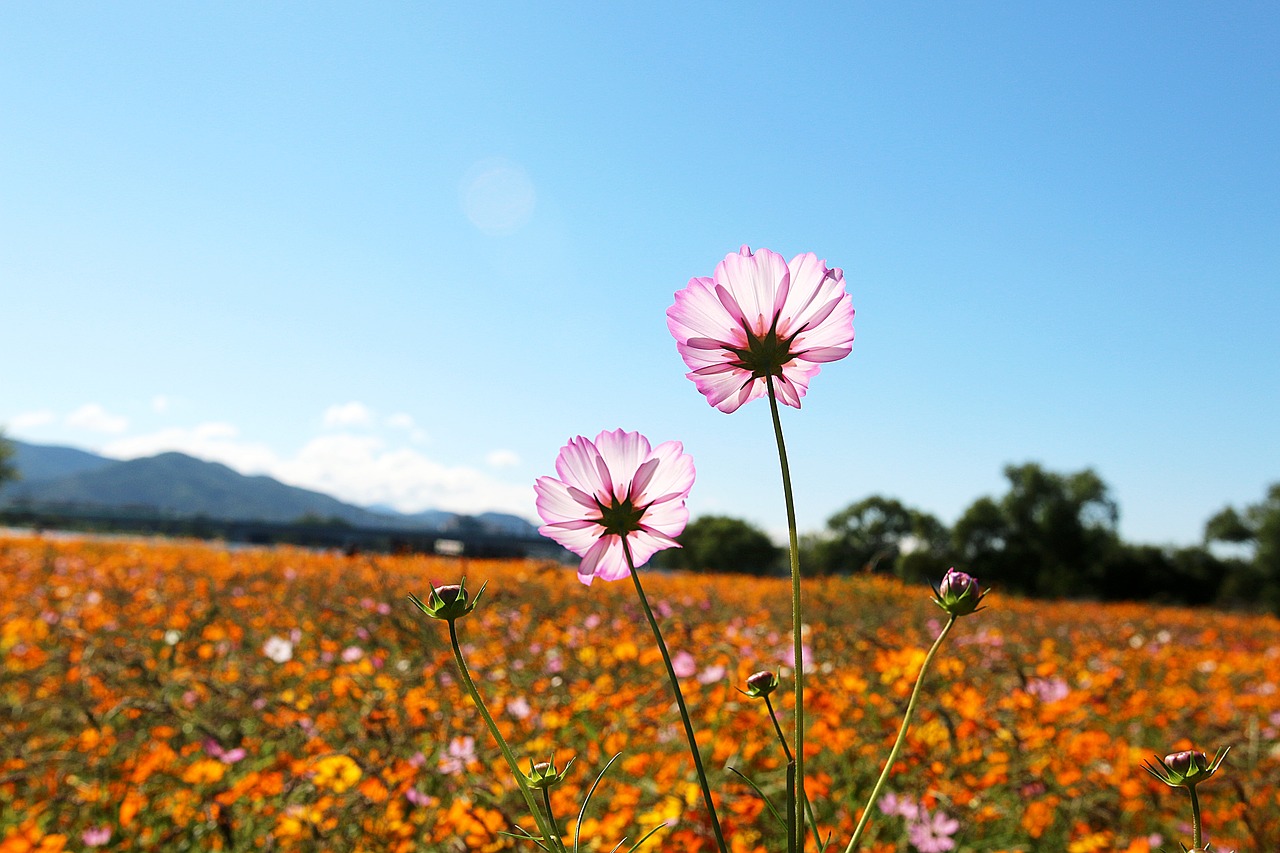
(761, 684)
(448, 602)
(959, 593)
(1187, 768)
(1186, 763)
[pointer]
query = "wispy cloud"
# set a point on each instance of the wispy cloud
(348, 414)
(502, 459)
(215, 441)
(30, 420)
(404, 421)
(365, 470)
(93, 417)
(364, 467)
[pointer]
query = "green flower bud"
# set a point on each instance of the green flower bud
(959, 593)
(761, 684)
(544, 774)
(1185, 769)
(448, 602)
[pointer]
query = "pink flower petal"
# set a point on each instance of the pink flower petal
(609, 484)
(722, 326)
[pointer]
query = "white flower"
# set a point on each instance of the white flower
(278, 649)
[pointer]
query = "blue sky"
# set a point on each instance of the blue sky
(402, 252)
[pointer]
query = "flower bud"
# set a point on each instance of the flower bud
(959, 593)
(761, 684)
(544, 774)
(1187, 768)
(449, 601)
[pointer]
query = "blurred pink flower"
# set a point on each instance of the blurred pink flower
(931, 833)
(226, 756)
(1048, 689)
(462, 751)
(892, 804)
(96, 836)
(712, 674)
(683, 664)
(417, 798)
(519, 708)
(759, 316)
(613, 489)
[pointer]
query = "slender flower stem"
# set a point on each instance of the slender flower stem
(791, 798)
(1196, 835)
(782, 739)
(551, 818)
(902, 736)
(550, 837)
(796, 622)
(675, 686)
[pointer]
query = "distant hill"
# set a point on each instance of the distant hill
(177, 485)
(41, 462)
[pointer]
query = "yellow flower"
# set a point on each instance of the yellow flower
(335, 772)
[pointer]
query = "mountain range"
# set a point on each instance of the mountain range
(181, 486)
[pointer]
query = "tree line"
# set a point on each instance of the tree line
(1049, 535)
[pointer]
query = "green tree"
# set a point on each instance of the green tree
(1191, 576)
(878, 533)
(7, 470)
(718, 543)
(1049, 535)
(1257, 527)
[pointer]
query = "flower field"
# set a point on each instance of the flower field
(182, 696)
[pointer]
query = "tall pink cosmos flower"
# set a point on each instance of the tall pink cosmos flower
(613, 489)
(758, 317)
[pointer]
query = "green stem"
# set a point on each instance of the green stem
(551, 818)
(782, 739)
(675, 686)
(902, 736)
(791, 798)
(796, 622)
(547, 835)
(1196, 835)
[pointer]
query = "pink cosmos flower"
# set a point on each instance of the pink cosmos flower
(892, 804)
(96, 836)
(931, 833)
(462, 751)
(612, 490)
(759, 317)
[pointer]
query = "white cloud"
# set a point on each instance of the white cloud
(360, 468)
(348, 414)
(404, 421)
(160, 404)
(94, 418)
(30, 420)
(363, 470)
(502, 459)
(214, 441)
